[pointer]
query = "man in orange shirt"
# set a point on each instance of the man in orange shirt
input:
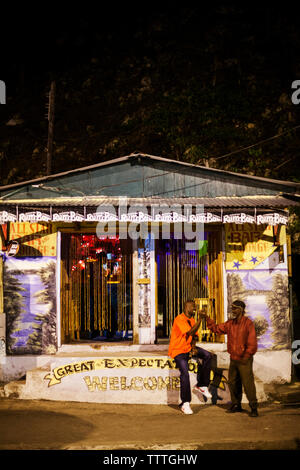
(182, 347)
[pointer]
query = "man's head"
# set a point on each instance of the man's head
(238, 308)
(190, 308)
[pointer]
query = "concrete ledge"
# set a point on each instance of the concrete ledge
(284, 393)
(15, 367)
(274, 366)
(14, 389)
(139, 379)
(137, 374)
(124, 347)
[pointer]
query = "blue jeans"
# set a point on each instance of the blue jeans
(203, 372)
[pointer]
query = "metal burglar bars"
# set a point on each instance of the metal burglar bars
(96, 287)
(96, 284)
(189, 274)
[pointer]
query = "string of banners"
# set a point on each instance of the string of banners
(114, 214)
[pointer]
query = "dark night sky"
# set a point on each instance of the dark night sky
(52, 39)
(61, 40)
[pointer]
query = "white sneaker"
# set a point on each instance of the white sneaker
(186, 409)
(204, 391)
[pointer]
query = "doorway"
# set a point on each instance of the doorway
(188, 275)
(96, 288)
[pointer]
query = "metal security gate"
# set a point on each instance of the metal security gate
(189, 275)
(96, 288)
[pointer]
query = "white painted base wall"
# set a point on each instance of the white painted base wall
(269, 366)
(126, 386)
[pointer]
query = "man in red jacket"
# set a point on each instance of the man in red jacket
(241, 345)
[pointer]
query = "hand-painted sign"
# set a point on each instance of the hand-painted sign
(35, 239)
(103, 383)
(119, 382)
(248, 245)
(111, 363)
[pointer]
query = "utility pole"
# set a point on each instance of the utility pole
(50, 127)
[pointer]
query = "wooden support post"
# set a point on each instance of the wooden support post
(50, 127)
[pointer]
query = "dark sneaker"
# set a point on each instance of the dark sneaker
(234, 409)
(253, 413)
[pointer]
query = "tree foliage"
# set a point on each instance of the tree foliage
(278, 305)
(13, 305)
(191, 83)
(43, 339)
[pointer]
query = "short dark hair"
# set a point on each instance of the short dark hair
(189, 301)
(239, 303)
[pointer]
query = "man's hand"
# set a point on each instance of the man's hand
(194, 329)
(202, 314)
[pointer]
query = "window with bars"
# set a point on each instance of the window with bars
(96, 288)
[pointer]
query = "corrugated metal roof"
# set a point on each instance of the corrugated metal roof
(266, 202)
(141, 156)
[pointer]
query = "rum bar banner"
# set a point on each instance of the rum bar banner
(119, 214)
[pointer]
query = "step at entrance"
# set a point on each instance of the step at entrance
(132, 379)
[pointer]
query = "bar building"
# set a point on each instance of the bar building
(102, 258)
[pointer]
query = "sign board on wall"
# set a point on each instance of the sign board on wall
(35, 239)
(248, 245)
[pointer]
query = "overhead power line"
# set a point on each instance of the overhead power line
(257, 143)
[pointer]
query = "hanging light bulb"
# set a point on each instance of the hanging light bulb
(81, 264)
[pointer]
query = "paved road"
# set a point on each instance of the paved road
(33, 424)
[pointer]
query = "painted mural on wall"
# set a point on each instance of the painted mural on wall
(266, 298)
(30, 305)
(257, 274)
